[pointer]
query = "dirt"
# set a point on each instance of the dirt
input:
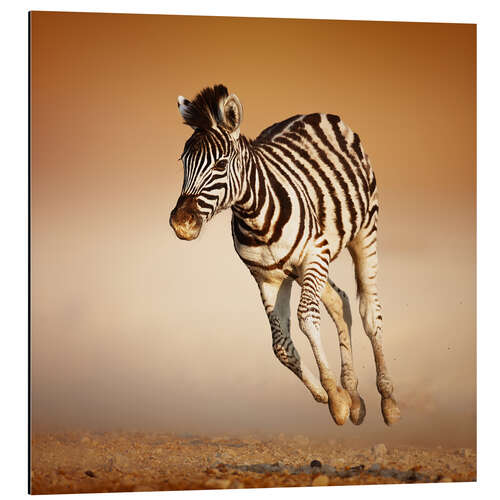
(85, 462)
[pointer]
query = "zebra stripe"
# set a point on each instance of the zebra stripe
(300, 193)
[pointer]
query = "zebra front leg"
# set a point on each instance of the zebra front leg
(276, 300)
(337, 305)
(313, 283)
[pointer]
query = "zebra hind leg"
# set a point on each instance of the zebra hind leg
(313, 282)
(337, 305)
(363, 250)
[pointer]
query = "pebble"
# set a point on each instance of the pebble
(379, 450)
(409, 476)
(388, 472)
(89, 473)
(357, 468)
(321, 480)
(218, 483)
(108, 467)
(328, 469)
(121, 461)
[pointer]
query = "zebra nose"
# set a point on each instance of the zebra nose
(185, 219)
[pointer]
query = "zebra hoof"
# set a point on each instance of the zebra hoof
(339, 404)
(390, 411)
(358, 410)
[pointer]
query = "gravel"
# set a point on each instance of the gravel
(379, 450)
(87, 462)
(320, 480)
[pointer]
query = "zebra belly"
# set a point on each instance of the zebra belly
(270, 262)
(295, 248)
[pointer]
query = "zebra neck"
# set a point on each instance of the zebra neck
(254, 201)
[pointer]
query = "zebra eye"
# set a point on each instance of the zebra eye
(220, 166)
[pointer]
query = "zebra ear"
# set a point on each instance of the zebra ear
(232, 115)
(183, 105)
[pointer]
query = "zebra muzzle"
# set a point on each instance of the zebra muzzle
(185, 219)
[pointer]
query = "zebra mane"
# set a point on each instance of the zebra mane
(205, 109)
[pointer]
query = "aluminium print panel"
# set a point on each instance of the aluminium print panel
(252, 257)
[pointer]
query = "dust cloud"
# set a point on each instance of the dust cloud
(135, 329)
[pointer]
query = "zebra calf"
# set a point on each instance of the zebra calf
(300, 193)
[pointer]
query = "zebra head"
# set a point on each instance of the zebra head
(211, 159)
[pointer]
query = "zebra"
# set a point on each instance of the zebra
(300, 193)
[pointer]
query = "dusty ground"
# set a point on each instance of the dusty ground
(105, 462)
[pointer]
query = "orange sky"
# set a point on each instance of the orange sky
(132, 328)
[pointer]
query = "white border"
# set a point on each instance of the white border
(428, 11)
(13, 211)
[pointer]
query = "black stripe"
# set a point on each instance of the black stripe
(357, 148)
(274, 159)
(267, 134)
(314, 122)
(303, 167)
(335, 124)
(340, 180)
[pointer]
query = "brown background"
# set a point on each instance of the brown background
(135, 329)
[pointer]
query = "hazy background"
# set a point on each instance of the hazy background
(135, 329)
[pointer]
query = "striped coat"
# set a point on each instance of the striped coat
(300, 193)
